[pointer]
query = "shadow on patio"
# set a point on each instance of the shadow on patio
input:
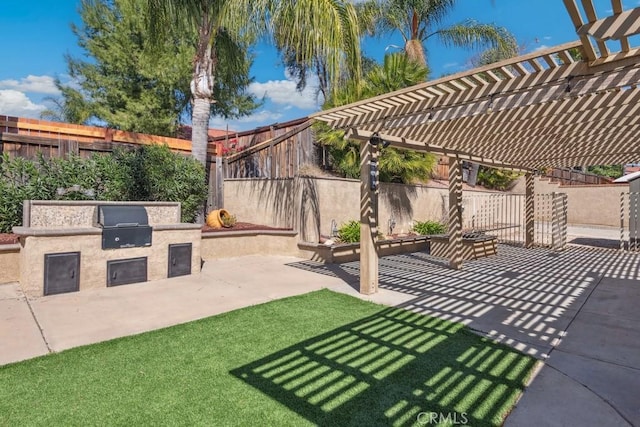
(389, 368)
(526, 298)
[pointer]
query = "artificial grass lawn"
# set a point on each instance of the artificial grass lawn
(321, 358)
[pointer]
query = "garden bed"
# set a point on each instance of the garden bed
(8, 239)
(241, 226)
(347, 252)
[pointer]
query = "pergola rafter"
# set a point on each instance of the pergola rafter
(470, 113)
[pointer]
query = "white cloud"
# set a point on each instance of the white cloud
(282, 103)
(451, 65)
(34, 84)
(283, 92)
(541, 47)
(15, 103)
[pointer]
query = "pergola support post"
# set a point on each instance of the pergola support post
(368, 220)
(529, 202)
(455, 213)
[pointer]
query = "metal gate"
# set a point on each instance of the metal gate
(630, 221)
(503, 216)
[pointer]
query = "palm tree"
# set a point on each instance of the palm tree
(396, 72)
(419, 20)
(303, 29)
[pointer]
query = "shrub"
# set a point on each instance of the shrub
(609, 171)
(428, 227)
(163, 175)
(497, 179)
(114, 175)
(149, 173)
(20, 180)
(349, 232)
(228, 220)
(68, 174)
(100, 177)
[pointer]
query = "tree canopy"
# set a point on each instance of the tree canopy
(303, 30)
(129, 83)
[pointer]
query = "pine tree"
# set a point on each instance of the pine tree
(128, 82)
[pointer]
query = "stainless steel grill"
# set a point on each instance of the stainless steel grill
(124, 226)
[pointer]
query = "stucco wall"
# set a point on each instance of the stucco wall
(93, 259)
(589, 204)
(310, 204)
(9, 263)
(236, 243)
(260, 201)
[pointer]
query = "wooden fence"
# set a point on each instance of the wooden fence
(278, 156)
(275, 151)
(576, 177)
(270, 152)
(27, 137)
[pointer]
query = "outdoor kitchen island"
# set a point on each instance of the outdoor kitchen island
(69, 246)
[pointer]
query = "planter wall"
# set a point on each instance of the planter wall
(348, 252)
(227, 244)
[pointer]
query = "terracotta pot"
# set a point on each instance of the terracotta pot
(214, 219)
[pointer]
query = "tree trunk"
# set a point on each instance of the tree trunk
(415, 51)
(202, 97)
(200, 127)
(200, 140)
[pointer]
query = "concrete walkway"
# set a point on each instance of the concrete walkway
(595, 236)
(577, 311)
(34, 327)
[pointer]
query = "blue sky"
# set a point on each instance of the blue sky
(36, 35)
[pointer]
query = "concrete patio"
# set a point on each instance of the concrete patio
(574, 310)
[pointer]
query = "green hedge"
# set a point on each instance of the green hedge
(148, 173)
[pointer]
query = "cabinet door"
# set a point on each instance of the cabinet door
(61, 273)
(125, 271)
(179, 260)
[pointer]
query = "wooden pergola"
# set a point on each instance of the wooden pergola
(573, 104)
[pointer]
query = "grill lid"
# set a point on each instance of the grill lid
(122, 216)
